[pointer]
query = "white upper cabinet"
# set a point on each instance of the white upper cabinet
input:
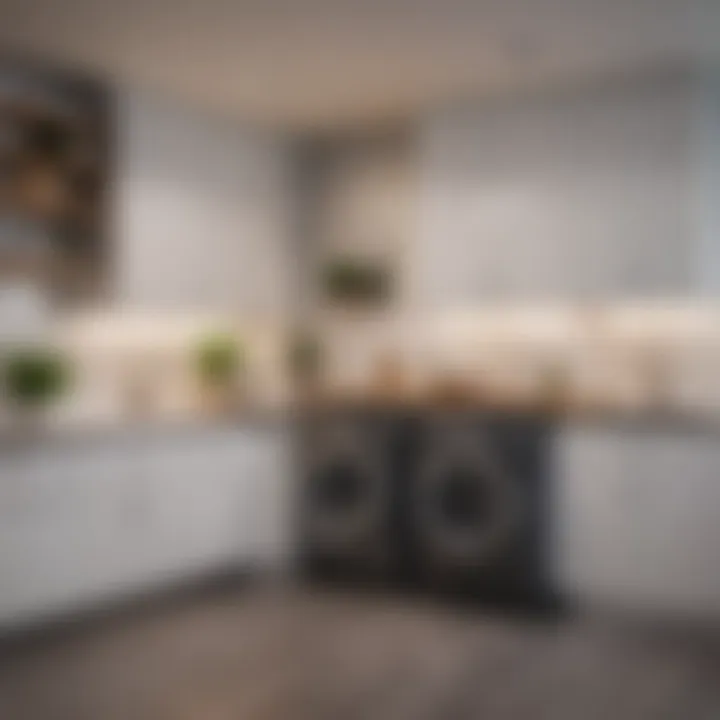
(570, 195)
(202, 213)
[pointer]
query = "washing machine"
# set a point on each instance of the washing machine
(352, 496)
(480, 509)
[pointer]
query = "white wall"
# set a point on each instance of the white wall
(575, 193)
(707, 163)
(202, 213)
(365, 202)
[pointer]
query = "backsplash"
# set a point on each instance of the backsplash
(626, 355)
(623, 357)
(129, 364)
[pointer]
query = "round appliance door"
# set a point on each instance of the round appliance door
(468, 510)
(346, 495)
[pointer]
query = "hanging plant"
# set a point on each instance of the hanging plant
(349, 279)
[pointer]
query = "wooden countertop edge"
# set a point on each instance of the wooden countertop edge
(264, 417)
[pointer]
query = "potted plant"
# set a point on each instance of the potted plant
(219, 360)
(33, 378)
(305, 360)
(354, 281)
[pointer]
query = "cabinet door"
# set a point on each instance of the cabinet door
(83, 522)
(29, 549)
(596, 541)
(198, 505)
(60, 533)
(678, 535)
(228, 503)
(117, 493)
(638, 519)
(580, 195)
(269, 496)
(465, 239)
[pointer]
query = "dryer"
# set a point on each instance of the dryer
(480, 507)
(351, 495)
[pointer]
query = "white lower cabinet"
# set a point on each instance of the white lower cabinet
(639, 519)
(270, 494)
(61, 528)
(82, 524)
(199, 502)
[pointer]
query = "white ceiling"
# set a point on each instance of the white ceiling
(318, 63)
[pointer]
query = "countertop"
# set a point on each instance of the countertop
(263, 418)
(127, 429)
(639, 419)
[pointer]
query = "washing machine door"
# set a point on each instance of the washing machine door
(468, 509)
(346, 492)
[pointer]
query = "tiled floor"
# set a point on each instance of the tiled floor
(269, 654)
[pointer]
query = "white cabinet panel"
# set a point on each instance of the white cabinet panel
(82, 524)
(218, 498)
(678, 543)
(638, 519)
(62, 538)
(197, 503)
(570, 194)
(270, 495)
(203, 212)
(594, 520)
(25, 536)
